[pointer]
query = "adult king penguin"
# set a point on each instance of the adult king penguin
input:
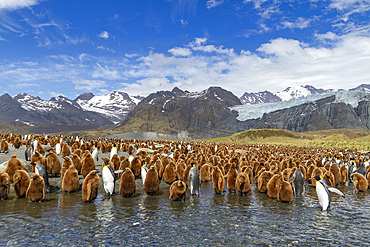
(298, 182)
(323, 192)
(109, 177)
(194, 180)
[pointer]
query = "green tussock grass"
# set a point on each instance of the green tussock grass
(335, 139)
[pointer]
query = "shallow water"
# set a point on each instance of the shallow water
(207, 220)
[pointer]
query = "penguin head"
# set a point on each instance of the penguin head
(33, 163)
(106, 161)
(317, 177)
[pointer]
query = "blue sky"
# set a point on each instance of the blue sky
(67, 47)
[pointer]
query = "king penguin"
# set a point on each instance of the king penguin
(94, 153)
(323, 192)
(194, 180)
(58, 148)
(109, 177)
(298, 182)
(144, 170)
(113, 151)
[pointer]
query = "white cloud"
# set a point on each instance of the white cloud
(179, 51)
(106, 72)
(104, 35)
(89, 85)
(16, 4)
(300, 23)
(213, 3)
(100, 47)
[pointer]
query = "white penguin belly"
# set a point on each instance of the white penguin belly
(322, 195)
(143, 174)
(108, 180)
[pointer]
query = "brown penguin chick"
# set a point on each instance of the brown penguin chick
(263, 180)
(329, 178)
(90, 187)
(127, 185)
(13, 165)
(53, 164)
(21, 181)
(218, 180)
(170, 174)
(242, 184)
(151, 183)
(65, 165)
(136, 167)
(287, 173)
(361, 183)
(231, 177)
(178, 191)
(88, 164)
(334, 169)
(40, 149)
(284, 191)
(4, 145)
(125, 163)
(205, 173)
(256, 177)
(65, 150)
(4, 185)
(309, 172)
(36, 189)
(343, 174)
(272, 186)
(114, 162)
(368, 178)
(186, 174)
(249, 172)
(17, 143)
(180, 169)
(78, 152)
(70, 181)
(76, 160)
(37, 157)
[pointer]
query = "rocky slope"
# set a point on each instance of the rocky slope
(201, 114)
(322, 114)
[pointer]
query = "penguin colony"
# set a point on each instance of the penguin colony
(281, 172)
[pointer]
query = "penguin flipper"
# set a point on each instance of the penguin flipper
(292, 178)
(119, 171)
(331, 189)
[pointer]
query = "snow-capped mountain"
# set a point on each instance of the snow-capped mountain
(298, 92)
(285, 95)
(362, 88)
(57, 114)
(258, 98)
(116, 105)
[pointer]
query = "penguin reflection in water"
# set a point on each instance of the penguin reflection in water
(323, 192)
(109, 177)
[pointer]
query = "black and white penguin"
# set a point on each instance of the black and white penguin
(144, 170)
(94, 154)
(113, 151)
(194, 180)
(58, 148)
(109, 177)
(323, 192)
(28, 152)
(298, 181)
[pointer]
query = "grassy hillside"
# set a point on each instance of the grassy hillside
(338, 139)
